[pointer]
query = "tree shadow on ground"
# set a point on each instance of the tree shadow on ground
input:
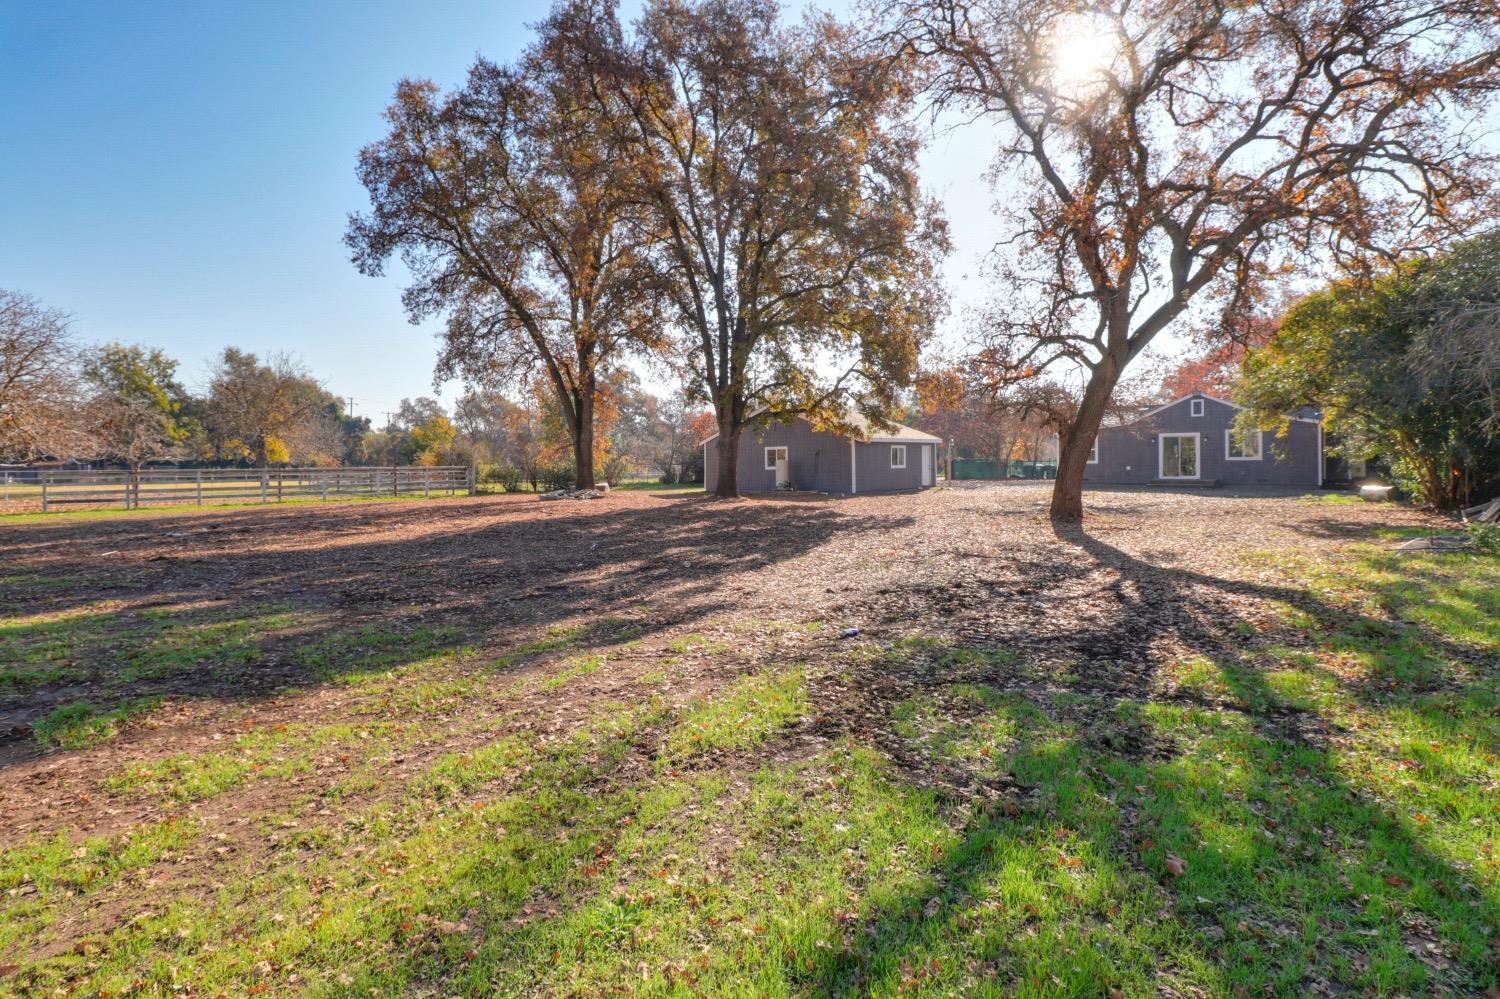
(263, 600)
(1292, 879)
(1118, 832)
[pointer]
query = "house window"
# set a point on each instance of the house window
(1357, 468)
(898, 455)
(1241, 446)
(773, 455)
(1094, 453)
(1196, 407)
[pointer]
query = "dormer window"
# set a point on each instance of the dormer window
(1195, 408)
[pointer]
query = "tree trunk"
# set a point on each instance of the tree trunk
(1073, 455)
(729, 461)
(583, 442)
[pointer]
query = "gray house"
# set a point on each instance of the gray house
(1194, 441)
(874, 461)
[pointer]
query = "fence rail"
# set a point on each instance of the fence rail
(152, 486)
(984, 468)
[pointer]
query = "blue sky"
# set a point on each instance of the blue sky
(178, 174)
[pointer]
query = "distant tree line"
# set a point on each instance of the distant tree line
(125, 404)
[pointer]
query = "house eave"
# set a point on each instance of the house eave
(1202, 395)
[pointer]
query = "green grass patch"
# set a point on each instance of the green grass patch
(104, 645)
(37, 879)
(275, 753)
(697, 643)
(1333, 499)
(571, 670)
(562, 637)
(744, 715)
(82, 724)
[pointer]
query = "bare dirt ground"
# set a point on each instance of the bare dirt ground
(979, 565)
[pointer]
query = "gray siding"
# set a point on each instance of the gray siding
(819, 462)
(1129, 454)
(876, 474)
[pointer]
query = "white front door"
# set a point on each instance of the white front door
(1178, 456)
(926, 466)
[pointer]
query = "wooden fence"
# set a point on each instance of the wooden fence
(153, 486)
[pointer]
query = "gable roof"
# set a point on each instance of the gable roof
(899, 433)
(1203, 395)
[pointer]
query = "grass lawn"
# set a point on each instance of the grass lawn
(1296, 791)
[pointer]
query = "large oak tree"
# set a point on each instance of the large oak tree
(508, 202)
(1165, 158)
(798, 252)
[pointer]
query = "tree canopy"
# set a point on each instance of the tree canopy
(256, 410)
(40, 393)
(507, 202)
(1406, 367)
(797, 253)
(137, 408)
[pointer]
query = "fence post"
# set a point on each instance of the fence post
(471, 479)
(426, 482)
(395, 479)
(279, 476)
(133, 490)
(200, 486)
(265, 482)
(44, 494)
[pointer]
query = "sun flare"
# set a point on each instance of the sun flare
(1082, 49)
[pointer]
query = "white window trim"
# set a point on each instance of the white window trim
(1196, 407)
(1260, 447)
(1094, 452)
(770, 463)
(1161, 456)
(894, 449)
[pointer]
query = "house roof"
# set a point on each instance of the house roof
(1204, 395)
(899, 433)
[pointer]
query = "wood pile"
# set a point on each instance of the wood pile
(1484, 513)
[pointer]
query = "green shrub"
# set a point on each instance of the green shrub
(1486, 538)
(507, 477)
(559, 476)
